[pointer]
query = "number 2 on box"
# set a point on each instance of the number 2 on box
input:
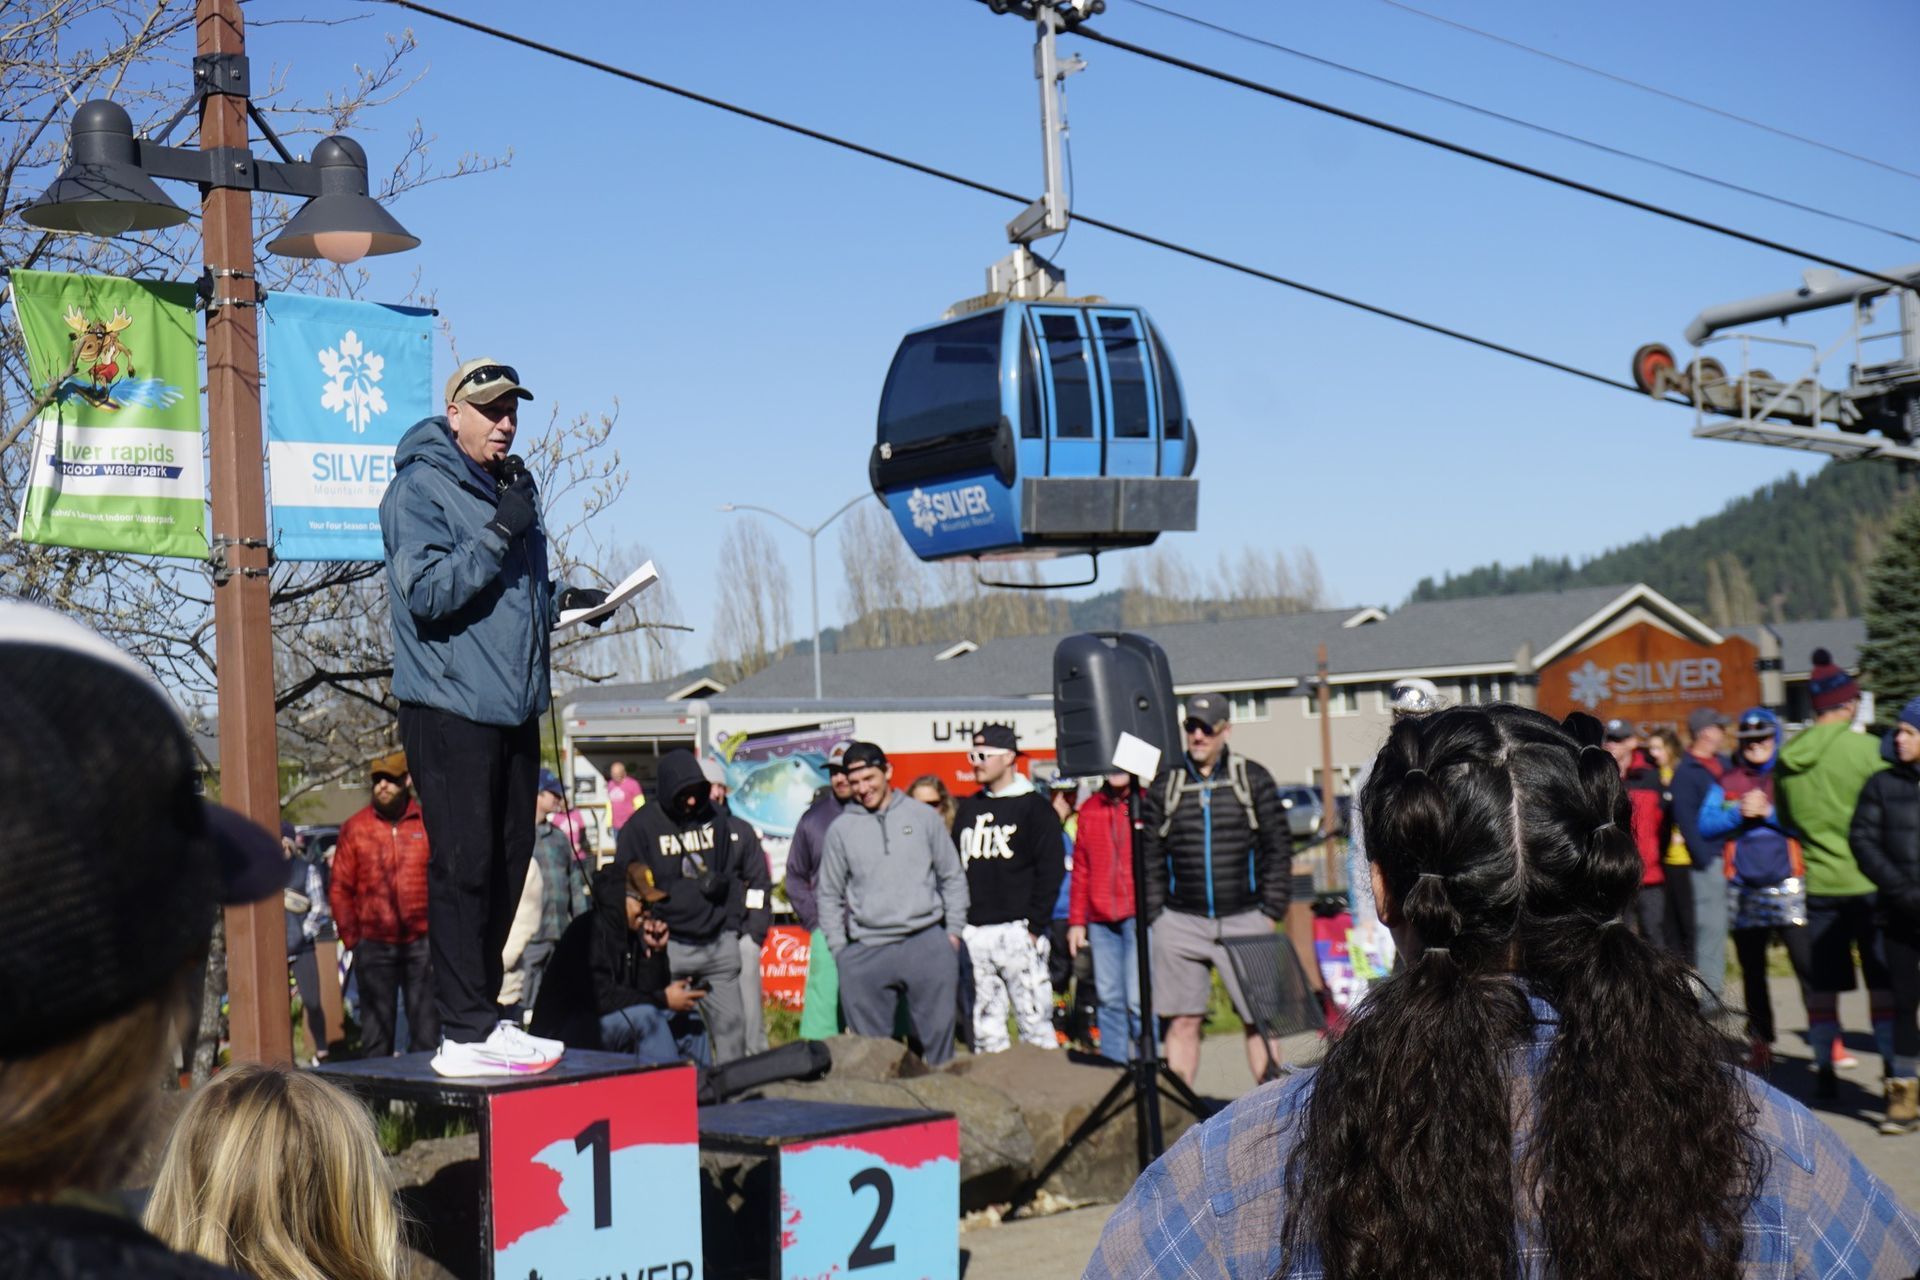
(867, 1253)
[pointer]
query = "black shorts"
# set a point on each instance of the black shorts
(1836, 926)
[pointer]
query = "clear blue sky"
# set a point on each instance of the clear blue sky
(740, 291)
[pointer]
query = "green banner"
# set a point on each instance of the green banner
(116, 450)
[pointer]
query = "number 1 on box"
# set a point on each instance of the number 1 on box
(599, 1135)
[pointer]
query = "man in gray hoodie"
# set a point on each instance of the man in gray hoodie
(893, 902)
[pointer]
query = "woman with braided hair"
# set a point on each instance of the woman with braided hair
(1536, 1094)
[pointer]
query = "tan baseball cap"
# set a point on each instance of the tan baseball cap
(483, 381)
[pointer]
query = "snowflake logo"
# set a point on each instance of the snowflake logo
(1589, 685)
(353, 381)
(920, 507)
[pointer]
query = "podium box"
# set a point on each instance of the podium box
(833, 1190)
(588, 1169)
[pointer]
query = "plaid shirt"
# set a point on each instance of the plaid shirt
(1213, 1205)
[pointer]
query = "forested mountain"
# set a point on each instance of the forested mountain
(1792, 549)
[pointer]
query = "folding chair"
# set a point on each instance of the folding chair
(1277, 992)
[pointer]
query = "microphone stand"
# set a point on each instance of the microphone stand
(1140, 1084)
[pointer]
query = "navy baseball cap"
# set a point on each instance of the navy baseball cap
(84, 939)
(862, 755)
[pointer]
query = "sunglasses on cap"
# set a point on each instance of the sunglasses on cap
(1754, 728)
(485, 374)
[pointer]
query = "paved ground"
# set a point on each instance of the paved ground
(1059, 1245)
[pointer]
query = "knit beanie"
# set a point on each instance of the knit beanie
(1910, 714)
(1830, 685)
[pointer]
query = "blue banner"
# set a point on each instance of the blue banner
(344, 381)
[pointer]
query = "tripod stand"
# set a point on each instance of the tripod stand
(1140, 1084)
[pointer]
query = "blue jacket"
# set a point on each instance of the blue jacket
(470, 612)
(1763, 851)
(1692, 780)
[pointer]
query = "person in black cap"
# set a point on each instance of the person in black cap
(1623, 742)
(1219, 865)
(105, 911)
(893, 903)
(820, 1004)
(1011, 844)
(1697, 775)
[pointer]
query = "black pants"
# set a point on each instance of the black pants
(306, 980)
(476, 787)
(1678, 932)
(385, 971)
(1750, 945)
(1650, 913)
(1902, 949)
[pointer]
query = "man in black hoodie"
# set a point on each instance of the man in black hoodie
(1011, 843)
(704, 860)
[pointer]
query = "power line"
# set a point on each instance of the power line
(984, 188)
(1546, 130)
(1485, 157)
(1654, 89)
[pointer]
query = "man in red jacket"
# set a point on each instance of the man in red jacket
(1100, 914)
(1644, 802)
(379, 899)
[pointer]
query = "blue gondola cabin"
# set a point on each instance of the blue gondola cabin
(1035, 429)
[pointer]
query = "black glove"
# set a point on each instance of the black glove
(584, 598)
(1906, 901)
(513, 513)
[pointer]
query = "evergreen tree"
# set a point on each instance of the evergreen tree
(1890, 661)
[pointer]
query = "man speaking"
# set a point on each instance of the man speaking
(472, 604)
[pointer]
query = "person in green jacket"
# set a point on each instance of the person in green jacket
(1820, 775)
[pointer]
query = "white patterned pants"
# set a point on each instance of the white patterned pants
(1009, 967)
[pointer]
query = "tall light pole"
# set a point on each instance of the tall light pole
(813, 565)
(107, 188)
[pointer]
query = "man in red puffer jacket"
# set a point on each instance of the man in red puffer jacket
(1644, 798)
(1100, 913)
(379, 899)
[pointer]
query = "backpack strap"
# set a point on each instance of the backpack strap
(1243, 789)
(1176, 785)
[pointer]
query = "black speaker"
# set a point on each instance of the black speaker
(1104, 684)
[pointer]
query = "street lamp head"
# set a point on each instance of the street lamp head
(101, 191)
(728, 506)
(343, 223)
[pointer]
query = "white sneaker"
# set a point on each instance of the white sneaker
(497, 1055)
(522, 1039)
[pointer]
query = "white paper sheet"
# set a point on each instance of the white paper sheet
(636, 582)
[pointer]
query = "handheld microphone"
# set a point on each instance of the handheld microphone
(512, 468)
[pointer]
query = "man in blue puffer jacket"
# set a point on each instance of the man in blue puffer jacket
(472, 605)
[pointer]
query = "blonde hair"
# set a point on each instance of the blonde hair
(77, 1116)
(944, 804)
(278, 1174)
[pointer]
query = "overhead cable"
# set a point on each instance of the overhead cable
(1548, 131)
(984, 188)
(1656, 90)
(1471, 153)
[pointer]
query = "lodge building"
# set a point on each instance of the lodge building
(1613, 651)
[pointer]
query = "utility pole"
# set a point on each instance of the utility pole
(1329, 816)
(243, 628)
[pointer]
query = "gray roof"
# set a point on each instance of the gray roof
(1842, 636)
(1483, 633)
